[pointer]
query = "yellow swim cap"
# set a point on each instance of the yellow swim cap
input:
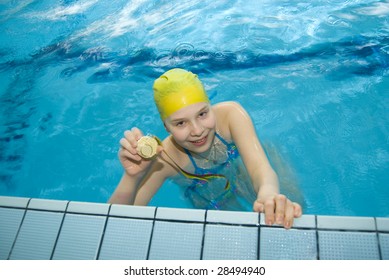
(177, 89)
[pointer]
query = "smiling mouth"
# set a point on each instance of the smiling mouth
(199, 142)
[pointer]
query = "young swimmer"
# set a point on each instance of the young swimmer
(212, 150)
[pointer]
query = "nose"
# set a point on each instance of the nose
(197, 129)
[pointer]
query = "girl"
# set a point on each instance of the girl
(213, 151)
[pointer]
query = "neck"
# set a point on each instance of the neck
(215, 154)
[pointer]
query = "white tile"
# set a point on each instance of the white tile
(10, 221)
(291, 244)
(48, 204)
(226, 242)
(79, 238)
(384, 244)
(14, 201)
(262, 219)
(37, 235)
(176, 241)
(233, 217)
(131, 211)
(347, 223)
(88, 208)
(194, 215)
(342, 245)
(126, 239)
(382, 224)
(305, 221)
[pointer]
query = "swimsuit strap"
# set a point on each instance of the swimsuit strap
(232, 153)
(197, 169)
(221, 139)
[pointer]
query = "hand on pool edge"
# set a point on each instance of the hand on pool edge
(278, 209)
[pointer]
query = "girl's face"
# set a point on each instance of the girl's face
(193, 127)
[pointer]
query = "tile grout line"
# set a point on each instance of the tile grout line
(378, 240)
(132, 218)
(85, 214)
(203, 237)
(24, 218)
(151, 234)
(317, 240)
(59, 231)
(341, 230)
(103, 233)
(232, 225)
(17, 234)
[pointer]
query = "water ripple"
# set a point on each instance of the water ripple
(163, 59)
(184, 50)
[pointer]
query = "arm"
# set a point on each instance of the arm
(277, 207)
(136, 168)
(159, 172)
(142, 177)
(125, 191)
(140, 190)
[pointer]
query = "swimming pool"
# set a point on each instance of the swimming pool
(312, 74)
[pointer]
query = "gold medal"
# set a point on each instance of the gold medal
(147, 147)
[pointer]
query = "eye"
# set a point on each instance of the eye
(203, 114)
(180, 123)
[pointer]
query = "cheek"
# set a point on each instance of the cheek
(179, 134)
(210, 123)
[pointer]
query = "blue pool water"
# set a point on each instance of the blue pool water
(312, 74)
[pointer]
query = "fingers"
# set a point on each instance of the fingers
(125, 154)
(270, 211)
(279, 210)
(258, 206)
(275, 210)
(289, 214)
(293, 210)
(129, 144)
(281, 205)
(298, 211)
(132, 136)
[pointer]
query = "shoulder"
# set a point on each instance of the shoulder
(229, 110)
(230, 115)
(226, 106)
